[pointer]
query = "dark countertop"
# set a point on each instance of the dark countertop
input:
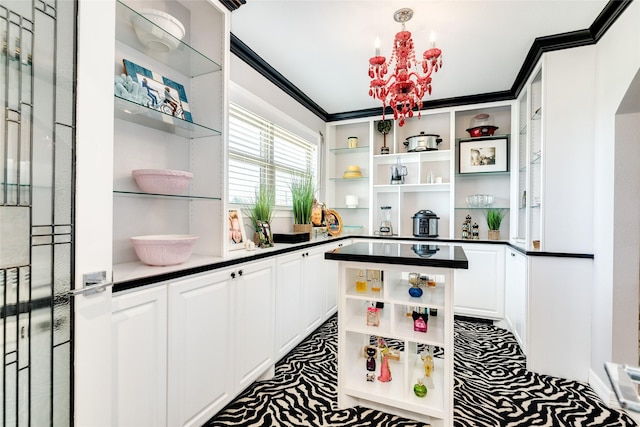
(416, 254)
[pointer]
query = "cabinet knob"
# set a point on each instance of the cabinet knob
(233, 275)
(512, 254)
(239, 272)
(306, 254)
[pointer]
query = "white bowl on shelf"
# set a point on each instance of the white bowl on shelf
(158, 30)
(162, 181)
(164, 249)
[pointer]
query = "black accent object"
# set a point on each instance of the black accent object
(233, 4)
(291, 238)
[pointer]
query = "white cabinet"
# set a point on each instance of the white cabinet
(306, 294)
(516, 296)
(147, 138)
(479, 290)
(200, 348)
(555, 159)
(139, 358)
(254, 288)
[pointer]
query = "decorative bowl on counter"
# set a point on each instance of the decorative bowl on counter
(480, 200)
(158, 30)
(162, 181)
(164, 249)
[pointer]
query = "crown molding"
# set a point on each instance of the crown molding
(611, 12)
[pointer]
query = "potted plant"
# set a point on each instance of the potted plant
(494, 219)
(302, 195)
(261, 210)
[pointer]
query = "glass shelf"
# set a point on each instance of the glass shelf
(167, 196)
(475, 175)
(364, 178)
(346, 208)
(136, 113)
(482, 209)
(480, 138)
(358, 149)
(183, 59)
(537, 115)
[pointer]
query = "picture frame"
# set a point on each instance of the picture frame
(236, 234)
(486, 155)
(334, 222)
(264, 233)
(167, 96)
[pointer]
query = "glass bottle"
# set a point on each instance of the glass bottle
(361, 283)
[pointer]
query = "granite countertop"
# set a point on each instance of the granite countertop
(418, 254)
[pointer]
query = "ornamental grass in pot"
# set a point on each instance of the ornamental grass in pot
(494, 219)
(302, 195)
(261, 210)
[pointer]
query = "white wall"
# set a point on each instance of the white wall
(617, 62)
(251, 90)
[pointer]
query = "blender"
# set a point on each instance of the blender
(385, 225)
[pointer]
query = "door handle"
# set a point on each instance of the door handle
(92, 283)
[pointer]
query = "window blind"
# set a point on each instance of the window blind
(262, 153)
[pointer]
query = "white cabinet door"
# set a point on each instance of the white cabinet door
(139, 358)
(254, 287)
(516, 296)
(199, 382)
(314, 278)
(479, 291)
(289, 309)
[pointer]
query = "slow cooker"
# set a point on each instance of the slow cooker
(425, 224)
(423, 142)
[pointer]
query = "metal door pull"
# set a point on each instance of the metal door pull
(93, 283)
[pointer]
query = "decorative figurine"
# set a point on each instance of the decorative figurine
(466, 228)
(371, 358)
(420, 389)
(476, 231)
(385, 372)
(427, 361)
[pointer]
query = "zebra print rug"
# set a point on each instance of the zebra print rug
(492, 388)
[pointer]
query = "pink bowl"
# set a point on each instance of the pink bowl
(162, 181)
(168, 249)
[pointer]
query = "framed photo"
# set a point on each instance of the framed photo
(484, 155)
(166, 95)
(264, 231)
(334, 222)
(236, 236)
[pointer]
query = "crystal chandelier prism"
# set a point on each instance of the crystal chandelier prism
(404, 89)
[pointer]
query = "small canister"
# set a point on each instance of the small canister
(352, 142)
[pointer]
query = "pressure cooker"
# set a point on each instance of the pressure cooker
(423, 142)
(425, 224)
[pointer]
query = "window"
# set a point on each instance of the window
(261, 152)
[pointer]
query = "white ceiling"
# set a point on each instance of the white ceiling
(323, 47)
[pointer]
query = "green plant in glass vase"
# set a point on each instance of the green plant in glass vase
(262, 207)
(494, 219)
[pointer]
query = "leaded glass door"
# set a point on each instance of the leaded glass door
(37, 73)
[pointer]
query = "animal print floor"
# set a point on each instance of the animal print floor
(492, 389)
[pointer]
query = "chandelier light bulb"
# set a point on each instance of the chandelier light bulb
(432, 39)
(405, 87)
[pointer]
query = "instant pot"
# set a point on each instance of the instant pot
(425, 224)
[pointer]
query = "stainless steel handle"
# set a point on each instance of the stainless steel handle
(92, 283)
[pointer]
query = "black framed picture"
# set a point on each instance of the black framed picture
(484, 155)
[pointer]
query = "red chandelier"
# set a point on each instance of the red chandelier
(404, 89)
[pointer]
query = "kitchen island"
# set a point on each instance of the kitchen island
(377, 313)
